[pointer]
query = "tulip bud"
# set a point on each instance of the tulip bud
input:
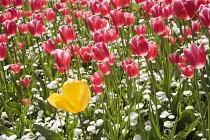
(96, 79)
(3, 52)
(15, 67)
(25, 82)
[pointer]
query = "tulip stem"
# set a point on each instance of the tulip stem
(82, 125)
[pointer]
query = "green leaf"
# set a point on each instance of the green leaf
(186, 131)
(135, 6)
(99, 134)
(48, 134)
(155, 128)
(5, 130)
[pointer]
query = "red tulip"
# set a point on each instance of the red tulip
(153, 50)
(62, 58)
(176, 58)
(5, 3)
(117, 4)
(172, 40)
(67, 33)
(49, 46)
(100, 52)
(96, 79)
(185, 9)
(101, 36)
(25, 82)
(21, 45)
(94, 7)
(166, 32)
(204, 16)
(187, 31)
(17, 3)
(113, 33)
(196, 56)
(50, 14)
(68, 19)
(140, 1)
(111, 59)
(104, 8)
(156, 11)
(28, 14)
(10, 27)
(139, 45)
(95, 23)
(3, 38)
(20, 14)
(23, 28)
(65, 11)
(36, 28)
(188, 71)
(104, 67)
(15, 67)
(117, 17)
(12, 12)
(168, 12)
(27, 102)
(36, 5)
(85, 54)
(131, 67)
(182, 39)
(38, 17)
(61, 70)
(3, 52)
(147, 6)
(129, 19)
(140, 30)
(97, 90)
(200, 2)
(158, 25)
(196, 26)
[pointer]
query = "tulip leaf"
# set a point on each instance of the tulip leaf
(48, 134)
(135, 6)
(186, 131)
(4, 130)
(99, 134)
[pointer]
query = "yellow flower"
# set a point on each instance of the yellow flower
(75, 98)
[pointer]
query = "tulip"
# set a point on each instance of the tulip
(187, 31)
(117, 17)
(61, 70)
(111, 59)
(172, 40)
(182, 39)
(75, 98)
(17, 3)
(188, 71)
(185, 9)
(166, 32)
(196, 26)
(104, 67)
(139, 45)
(153, 50)
(131, 67)
(5, 3)
(196, 56)
(140, 1)
(85, 54)
(15, 67)
(94, 7)
(3, 38)
(50, 14)
(20, 14)
(3, 52)
(104, 8)
(97, 90)
(129, 19)
(95, 23)
(25, 82)
(156, 11)
(10, 27)
(68, 19)
(27, 102)
(67, 33)
(36, 5)
(176, 58)
(65, 11)
(28, 14)
(12, 12)
(49, 46)
(158, 25)
(140, 30)
(62, 58)
(204, 16)
(100, 52)
(147, 6)
(21, 45)
(101, 36)
(36, 28)
(117, 4)
(168, 12)
(96, 79)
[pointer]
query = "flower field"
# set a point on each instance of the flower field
(104, 70)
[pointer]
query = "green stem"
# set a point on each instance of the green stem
(82, 125)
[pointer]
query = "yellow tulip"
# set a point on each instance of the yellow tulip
(75, 98)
